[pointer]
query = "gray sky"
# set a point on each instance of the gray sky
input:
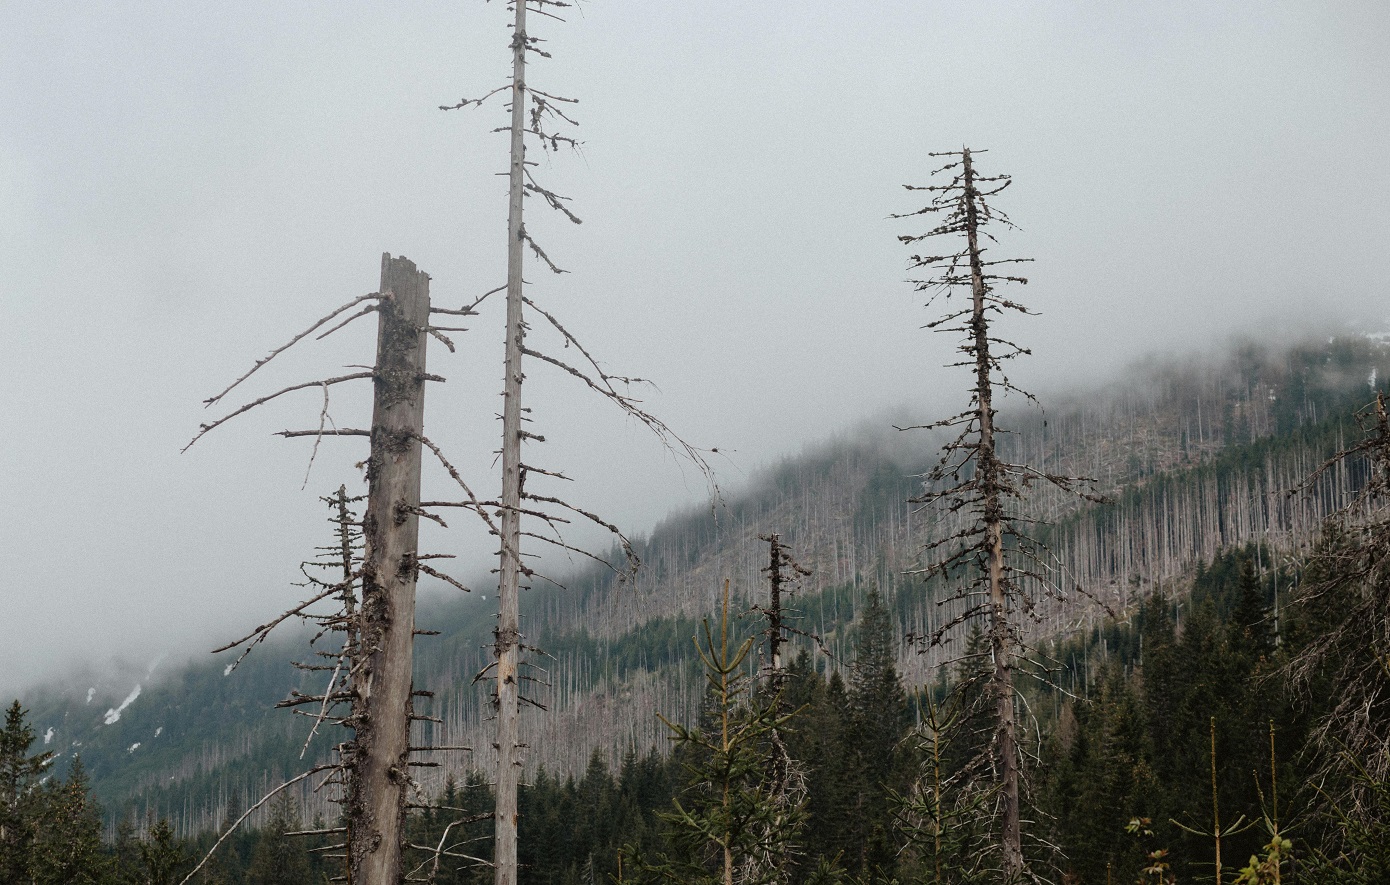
(187, 184)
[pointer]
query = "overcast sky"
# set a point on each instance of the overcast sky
(185, 185)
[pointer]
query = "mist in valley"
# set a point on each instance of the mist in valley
(189, 189)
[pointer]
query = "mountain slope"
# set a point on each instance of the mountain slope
(1194, 456)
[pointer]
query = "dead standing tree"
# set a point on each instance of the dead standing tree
(380, 756)
(783, 785)
(991, 547)
(534, 115)
(783, 574)
(508, 634)
(372, 672)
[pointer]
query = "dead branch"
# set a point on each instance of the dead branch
(339, 431)
(292, 342)
(473, 102)
(261, 632)
(441, 576)
(570, 340)
(436, 333)
(563, 546)
(371, 308)
(265, 399)
(474, 505)
(318, 437)
(266, 798)
(540, 253)
(327, 694)
(668, 438)
(592, 517)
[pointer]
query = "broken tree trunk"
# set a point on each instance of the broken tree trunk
(382, 706)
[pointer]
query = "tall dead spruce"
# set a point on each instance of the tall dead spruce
(783, 784)
(989, 552)
(535, 116)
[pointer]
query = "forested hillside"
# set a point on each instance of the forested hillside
(1195, 459)
(1146, 724)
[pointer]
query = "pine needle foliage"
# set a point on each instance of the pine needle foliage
(20, 796)
(725, 827)
(943, 823)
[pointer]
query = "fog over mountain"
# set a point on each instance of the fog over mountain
(188, 186)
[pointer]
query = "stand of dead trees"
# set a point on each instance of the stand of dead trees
(1345, 601)
(992, 555)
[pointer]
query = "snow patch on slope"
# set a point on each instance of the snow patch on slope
(48, 736)
(90, 692)
(114, 714)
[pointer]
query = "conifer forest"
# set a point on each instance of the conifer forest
(1093, 623)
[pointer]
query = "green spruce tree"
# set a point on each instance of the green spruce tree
(724, 827)
(67, 846)
(162, 855)
(279, 859)
(878, 721)
(21, 799)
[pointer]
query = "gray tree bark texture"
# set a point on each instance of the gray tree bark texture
(989, 480)
(508, 635)
(379, 756)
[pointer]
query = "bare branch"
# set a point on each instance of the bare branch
(261, 632)
(265, 399)
(266, 798)
(371, 308)
(440, 575)
(292, 342)
(339, 431)
(474, 505)
(473, 102)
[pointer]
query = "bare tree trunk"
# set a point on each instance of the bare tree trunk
(508, 635)
(1000, 637)
(775, 637)
(380, 754)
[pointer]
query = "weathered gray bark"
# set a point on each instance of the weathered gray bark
(992, 515)
(379, 756)
(508, 635)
